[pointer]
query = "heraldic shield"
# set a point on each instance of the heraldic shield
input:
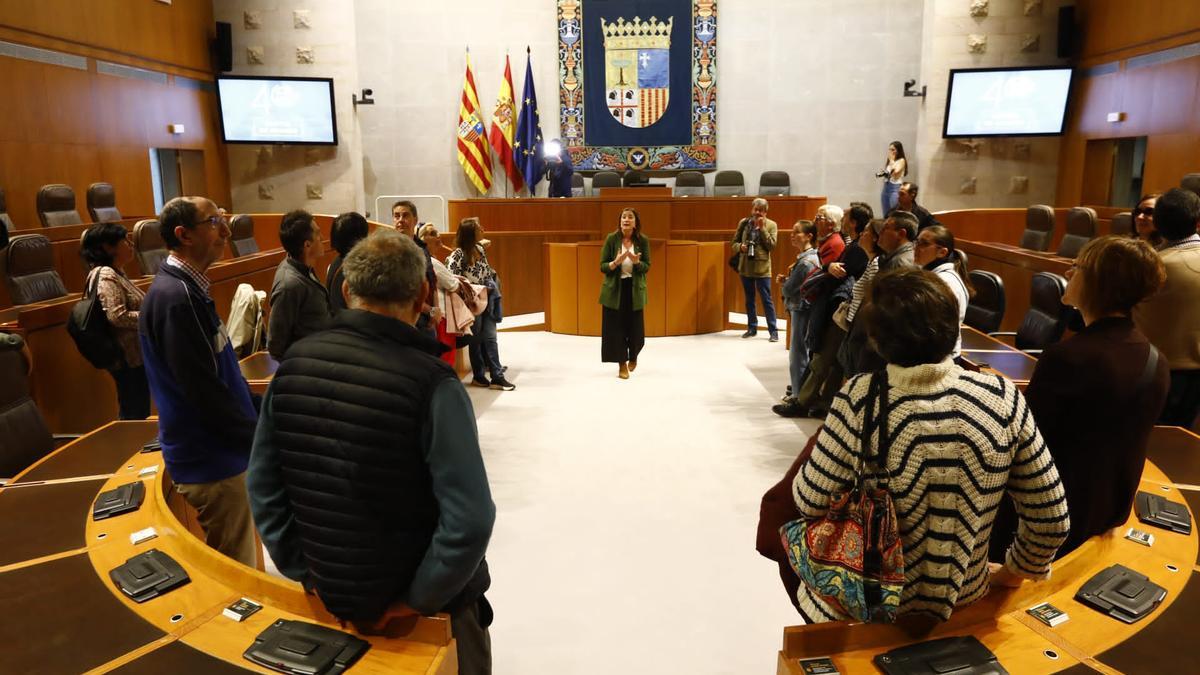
(637, 59)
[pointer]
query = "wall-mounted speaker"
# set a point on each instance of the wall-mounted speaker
(222, 48)
(1068, 32)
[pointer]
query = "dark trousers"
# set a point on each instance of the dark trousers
(469, 626)
(763, 286)
(133, 393)
(1183, 399)
(824, 377)
(484, 350)
(622, 331)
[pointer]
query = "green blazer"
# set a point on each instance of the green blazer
(610, 290)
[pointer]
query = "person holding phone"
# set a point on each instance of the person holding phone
(624, 261)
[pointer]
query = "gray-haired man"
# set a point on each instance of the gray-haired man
(366, 479)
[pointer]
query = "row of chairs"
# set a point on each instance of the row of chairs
(689, 183)
(32, 277)
(1043, 324)
(56, 205)
(1039, 229)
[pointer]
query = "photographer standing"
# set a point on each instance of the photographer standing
(754, 241)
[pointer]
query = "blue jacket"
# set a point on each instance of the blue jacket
(206, 415)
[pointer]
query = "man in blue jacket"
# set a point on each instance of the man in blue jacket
(366, 478)
(206, 415)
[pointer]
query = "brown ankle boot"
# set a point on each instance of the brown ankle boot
(632, 366)
(623, 373)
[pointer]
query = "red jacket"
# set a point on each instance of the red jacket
(831, 249)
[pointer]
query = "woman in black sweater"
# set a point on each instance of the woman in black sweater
(1096, 396)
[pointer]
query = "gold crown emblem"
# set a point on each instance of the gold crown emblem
(637, 34)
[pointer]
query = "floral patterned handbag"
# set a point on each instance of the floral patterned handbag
(852, 558)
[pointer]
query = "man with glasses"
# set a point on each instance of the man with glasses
(754, 241)
(206, 415)
(406, 221)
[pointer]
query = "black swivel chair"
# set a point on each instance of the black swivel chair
(102, 203)
(5, 221)
(1081, 227)
(1039, 228)
(1121, 224)
(578, 189)
(241, 236)
(1191, 182)
(635, 177)
(1047, 317)
(774, 184)
(985, 312)
(605, 179)
(32, 276)
(689, 184)
(729, 184)
(56, 206)
(24, 437)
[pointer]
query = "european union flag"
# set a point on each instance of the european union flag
(527, 147)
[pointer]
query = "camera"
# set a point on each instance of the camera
(750, 249)
(882, 173)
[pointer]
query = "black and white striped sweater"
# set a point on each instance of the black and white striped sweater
(959, 441)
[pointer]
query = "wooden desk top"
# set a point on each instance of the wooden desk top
(1087, 642)
(258, 369)
(68, 616)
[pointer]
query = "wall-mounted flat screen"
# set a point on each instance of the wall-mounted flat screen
(1007, 102)
(289, 110)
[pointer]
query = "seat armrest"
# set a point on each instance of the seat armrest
(1004, 334)
(1032, 352)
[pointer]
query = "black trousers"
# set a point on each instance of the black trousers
(133, 393)
(622, 331)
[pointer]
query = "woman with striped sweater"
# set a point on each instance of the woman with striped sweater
(959, 441)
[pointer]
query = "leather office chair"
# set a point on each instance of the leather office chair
(1039, 228)
(729, 184)
(56, 206)
(634, 177)
(578, 189)
(102, 203)
(241, 238)
(689, 184)
(149, 245)
(1081, 227)
(24, 437)
(605, 179)
(31, 273)
(985, 312)
(1121, 224)
(4, 219)
(1191, 182)
(774, 184)
(1047, 317)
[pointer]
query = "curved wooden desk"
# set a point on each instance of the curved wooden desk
(65, 614)
(685, 288)
(1087, 643)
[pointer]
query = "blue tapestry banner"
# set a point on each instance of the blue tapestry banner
(637, 83)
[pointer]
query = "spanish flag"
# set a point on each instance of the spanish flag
(501, 135)
(472, 138)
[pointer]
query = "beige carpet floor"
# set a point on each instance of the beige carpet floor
(626, 509)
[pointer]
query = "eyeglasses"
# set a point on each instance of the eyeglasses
(215, 221)
(1143, 211)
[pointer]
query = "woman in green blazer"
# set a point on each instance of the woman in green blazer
(624, 261)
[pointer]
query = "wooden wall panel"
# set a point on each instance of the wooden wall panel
(562, 307)
(682, 291)
(172, 34)
(1159, 101)
(62, 125)
(590, 280)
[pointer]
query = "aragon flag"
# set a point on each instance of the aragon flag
(501, 135)
(472, 138)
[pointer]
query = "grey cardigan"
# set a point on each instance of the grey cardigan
(299, 306)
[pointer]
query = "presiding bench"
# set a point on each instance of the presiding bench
(1088, 642)
(66, 615)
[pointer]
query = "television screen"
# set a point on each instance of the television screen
(292, 110)
(1007, 102)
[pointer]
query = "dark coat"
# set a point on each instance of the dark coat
(1084, 397)
(299, 306)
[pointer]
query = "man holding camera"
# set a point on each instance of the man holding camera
(754, 240)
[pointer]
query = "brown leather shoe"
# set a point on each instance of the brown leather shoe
(623, 373)
(632, 366)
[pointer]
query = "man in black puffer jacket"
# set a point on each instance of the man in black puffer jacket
(366, 479)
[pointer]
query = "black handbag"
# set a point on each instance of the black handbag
(734, 260)
(88, 326)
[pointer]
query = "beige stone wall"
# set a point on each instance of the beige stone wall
(970, 173)
(311, 38)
